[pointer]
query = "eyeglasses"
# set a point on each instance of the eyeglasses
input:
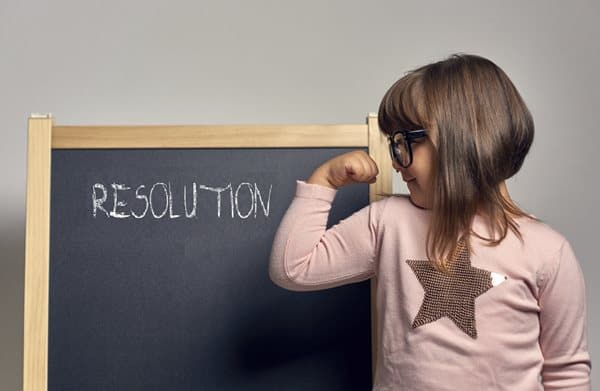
(400, 145)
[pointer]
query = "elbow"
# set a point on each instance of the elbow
(285, 283)
(280, 274)
(282, 279)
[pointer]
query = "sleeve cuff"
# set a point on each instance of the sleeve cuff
(313, 190)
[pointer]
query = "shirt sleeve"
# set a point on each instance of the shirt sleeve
(563, 329)
(305, 256)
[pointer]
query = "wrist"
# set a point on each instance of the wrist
(320, 177)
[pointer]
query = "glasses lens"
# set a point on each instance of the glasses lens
(400, 150)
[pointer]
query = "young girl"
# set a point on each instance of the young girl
(472, 292)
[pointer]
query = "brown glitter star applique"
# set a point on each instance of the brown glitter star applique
(452, 295)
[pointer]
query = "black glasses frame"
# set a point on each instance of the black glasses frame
(408, 136)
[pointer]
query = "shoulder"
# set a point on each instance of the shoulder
(540, 234)
(398, 201)
(392, 201)
(559, 261)
(546, 245)
(398, 208)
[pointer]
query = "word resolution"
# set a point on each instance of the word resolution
(121, 202)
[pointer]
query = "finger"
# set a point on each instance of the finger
(363, 175)
(375, 172)
(375, 168)
(349, 167)
(372, 164)
(370, 170)
(351, 171)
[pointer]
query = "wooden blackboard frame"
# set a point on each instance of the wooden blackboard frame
(44, 136)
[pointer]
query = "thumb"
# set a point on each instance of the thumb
(349, 168)
(349, 171)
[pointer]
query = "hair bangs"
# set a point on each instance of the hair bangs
(402, 106)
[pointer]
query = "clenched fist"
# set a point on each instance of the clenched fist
(344, 169)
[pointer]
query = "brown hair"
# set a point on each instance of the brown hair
(481, 131)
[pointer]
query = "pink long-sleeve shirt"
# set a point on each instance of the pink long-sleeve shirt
(523, 329)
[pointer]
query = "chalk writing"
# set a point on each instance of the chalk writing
(112, 201)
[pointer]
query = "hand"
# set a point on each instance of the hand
(347, 168)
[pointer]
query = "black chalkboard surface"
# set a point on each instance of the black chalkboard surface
(149, 290)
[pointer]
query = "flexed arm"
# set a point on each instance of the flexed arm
(305, 255)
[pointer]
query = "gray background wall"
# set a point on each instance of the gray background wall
(201, 62)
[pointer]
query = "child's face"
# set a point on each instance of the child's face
(418, 176)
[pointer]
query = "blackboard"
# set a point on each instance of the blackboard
(161, 302)
(158, 276)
